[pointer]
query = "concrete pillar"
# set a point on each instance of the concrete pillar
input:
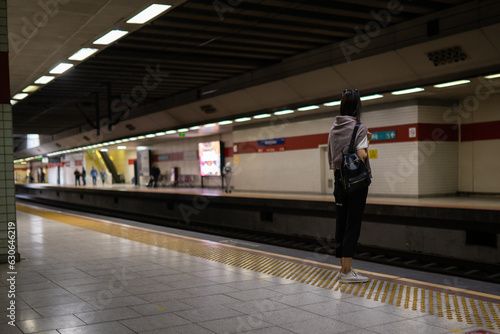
(8, 231)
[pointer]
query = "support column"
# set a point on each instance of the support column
(8, 231)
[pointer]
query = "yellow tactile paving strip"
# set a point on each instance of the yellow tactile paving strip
(442, 301)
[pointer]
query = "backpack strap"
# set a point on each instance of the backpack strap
(353, 138)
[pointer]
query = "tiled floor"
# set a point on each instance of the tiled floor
(76, 280)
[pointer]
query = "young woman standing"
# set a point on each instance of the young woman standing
(349, 206)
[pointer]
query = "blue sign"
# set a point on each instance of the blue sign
(384, 135)
(270, 142)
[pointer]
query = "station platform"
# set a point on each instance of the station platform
(84, 273)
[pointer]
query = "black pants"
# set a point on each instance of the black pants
(350, 208)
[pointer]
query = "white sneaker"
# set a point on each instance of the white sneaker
(352, 277)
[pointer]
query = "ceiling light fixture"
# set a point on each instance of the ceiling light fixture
(31, 89)
(158, 134)
(332, 104)
(122, 147)
(308, 108)
(45, 79)
(243, 119)
(225, 122)
(209, 125)
(371, 97)
(151, 135)
(408, 91)
(452, 83)
(196, 127)
(61, 68)
(262, 116)
(20, 96)
(83, 54)
(149, 13)
(12, 102)
(110, 37)
(284, 112)
(493, 76)
(171, 132)
(183, 130)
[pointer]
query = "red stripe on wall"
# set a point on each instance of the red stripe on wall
(424, 132)
(131, 161)
(228, 151)
(481, 131)
(4, 78)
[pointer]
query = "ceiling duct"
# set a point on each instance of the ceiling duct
(208, 109)
(447, 56)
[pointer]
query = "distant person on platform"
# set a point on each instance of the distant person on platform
(77, 177)
(155, 174)
(84, 175)
(93, 173)
(227, 171)
(103, 176)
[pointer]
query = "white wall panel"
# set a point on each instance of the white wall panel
(284, 127)
(438, 168)
(394, 172)
(486, 166)
(390, 116)
(288, 171)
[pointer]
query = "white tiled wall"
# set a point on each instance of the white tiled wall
(479, 160)
(284, 127)
(4, 47)
(395, 171)
(7, 195)
(400, 169)
(292, 171)
(390, 116)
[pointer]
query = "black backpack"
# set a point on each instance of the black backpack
(353, 170)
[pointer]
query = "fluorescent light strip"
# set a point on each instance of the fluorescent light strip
(209, 125)
(45, 79)
(83, 54)
(104, 150)
(20, 96)
(31, 89)
(452, 83)
(195, 127)
(122, 147)
(158, 134)
(408, 91)
(226, 122)
(148, 14)
(493, 76)
(12, 102)
(150, 135)
(308, 108)
(284, 112)
(61, 68)
(371, 97)
(110, 37)
(171, 132)
(183, 130)
(141, 137)
(243, 119)
(262, 116)
(332, 104)
(133, 138)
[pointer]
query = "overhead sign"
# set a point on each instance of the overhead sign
(270, 142)
(384, 135)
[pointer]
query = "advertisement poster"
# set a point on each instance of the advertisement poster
(210, 158)
(143, 162)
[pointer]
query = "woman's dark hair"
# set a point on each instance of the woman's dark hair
(350, 104)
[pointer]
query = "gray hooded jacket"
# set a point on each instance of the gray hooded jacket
(340, 137)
